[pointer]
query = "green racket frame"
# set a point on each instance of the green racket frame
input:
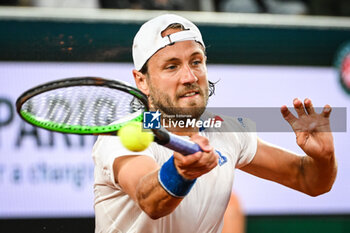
(80, 81)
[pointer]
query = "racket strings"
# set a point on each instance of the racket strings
(136, 104)
(81, 106)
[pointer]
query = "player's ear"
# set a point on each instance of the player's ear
(141, 81)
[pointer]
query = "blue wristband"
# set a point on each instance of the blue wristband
(172, 181)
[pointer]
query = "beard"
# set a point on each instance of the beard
(162, 101)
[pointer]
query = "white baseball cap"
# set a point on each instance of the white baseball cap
(148, 40)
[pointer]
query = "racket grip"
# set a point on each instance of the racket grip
(181, 145)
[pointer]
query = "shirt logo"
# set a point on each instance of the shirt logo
(151, 120)
(241, 121)
(222, 158)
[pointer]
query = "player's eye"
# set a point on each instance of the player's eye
(196, 62)
(170, 67)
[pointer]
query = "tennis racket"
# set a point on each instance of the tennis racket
(92, 106)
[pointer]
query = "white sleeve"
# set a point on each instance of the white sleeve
(105, 151)
(248, 142)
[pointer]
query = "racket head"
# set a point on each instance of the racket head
(82, 105)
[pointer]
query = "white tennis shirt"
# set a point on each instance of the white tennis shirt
(201, 211)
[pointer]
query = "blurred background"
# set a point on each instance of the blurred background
(264, 53)
(305, 7)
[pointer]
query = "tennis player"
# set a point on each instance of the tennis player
(159, 190)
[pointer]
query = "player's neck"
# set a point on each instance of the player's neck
(183, 131)
(180, 126)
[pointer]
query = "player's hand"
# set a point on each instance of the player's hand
(312, 130)
(195, 165)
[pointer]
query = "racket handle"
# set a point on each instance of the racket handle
(181, 145)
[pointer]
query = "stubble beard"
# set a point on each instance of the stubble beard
(161, 101)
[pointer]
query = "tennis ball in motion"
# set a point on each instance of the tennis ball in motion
(134, 137)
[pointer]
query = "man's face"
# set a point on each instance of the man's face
(177, 79)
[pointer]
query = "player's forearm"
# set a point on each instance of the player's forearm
(317, 175)
(138, 177)
(302, 173)
(153, 199)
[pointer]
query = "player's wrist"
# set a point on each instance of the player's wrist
(181, 171)
(172, 182)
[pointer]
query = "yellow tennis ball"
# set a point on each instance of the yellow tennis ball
(134, 137)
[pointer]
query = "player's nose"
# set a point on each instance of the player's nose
(187, 75)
